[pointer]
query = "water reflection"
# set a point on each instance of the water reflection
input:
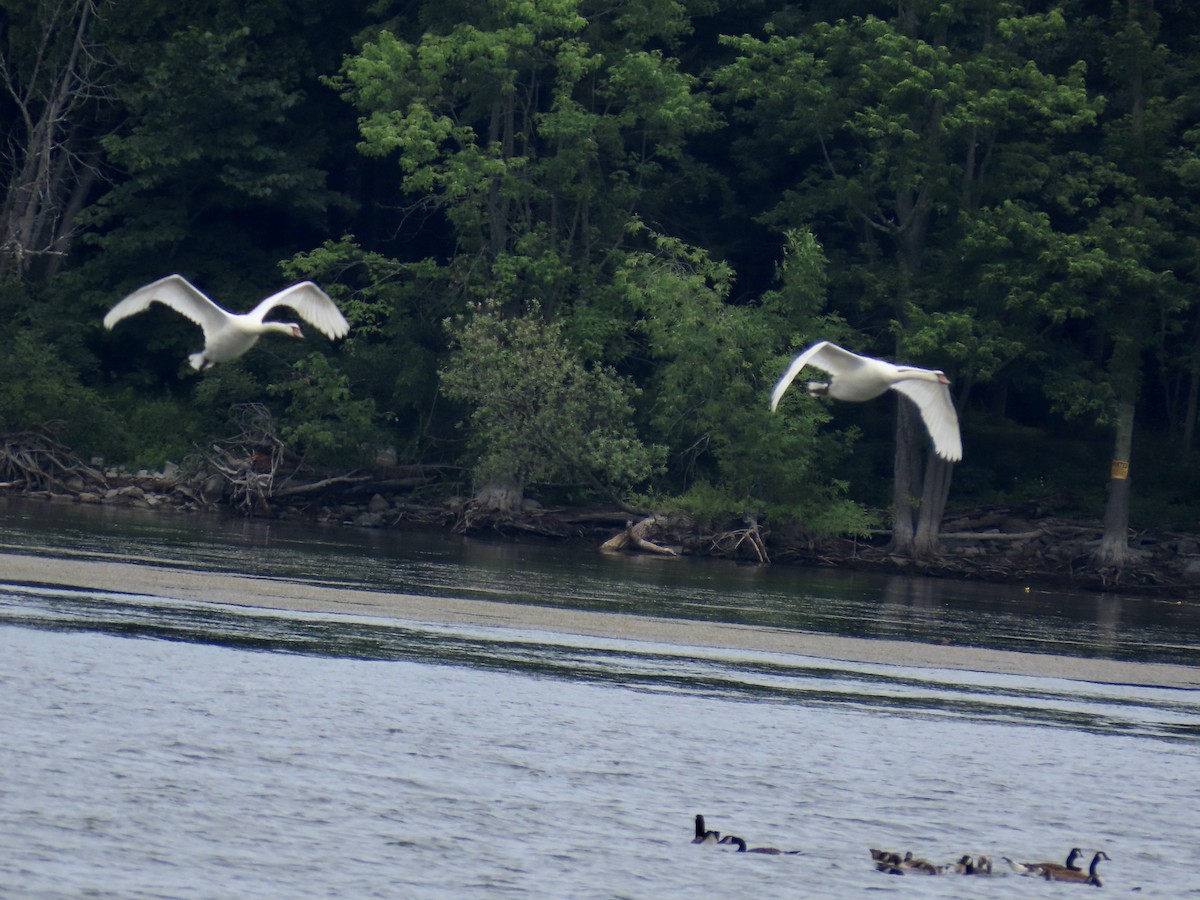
(1015, 617)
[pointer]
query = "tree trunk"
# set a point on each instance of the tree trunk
(920, 488)
(1189, 416)
(934, 493)
(1189, 413)
(499, 498)
(1114, 545)
(905, 479)
(46, 170)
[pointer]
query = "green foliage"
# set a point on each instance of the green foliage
(538, 132)
(37, 390)
(908, 130)
(716, 507)
(396, 312)
(155, 430)
(322, 421)
(1006, 191)
(214, 144)
(225, 386)
(714, 365)
(539, 414)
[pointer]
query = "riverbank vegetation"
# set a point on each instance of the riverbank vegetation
(577, 243)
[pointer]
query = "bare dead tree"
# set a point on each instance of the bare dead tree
(50, 150)
(250, 460)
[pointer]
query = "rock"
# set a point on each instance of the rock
(214, 486)
(1187, 547)
(185, 491)
(368, 520)
(378, 505)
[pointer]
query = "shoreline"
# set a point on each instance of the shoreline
(1022, 542)
(181, 583)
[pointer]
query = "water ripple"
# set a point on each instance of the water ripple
(743, 675)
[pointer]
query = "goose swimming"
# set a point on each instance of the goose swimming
(704, 836)
(741, 847)
(1040, 868)
(1088, 877)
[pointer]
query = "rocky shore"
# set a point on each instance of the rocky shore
(1022, 543)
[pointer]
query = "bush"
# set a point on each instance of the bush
(538, 412)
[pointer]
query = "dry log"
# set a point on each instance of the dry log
(634, 537)
(293, 490)
(992, 535)
(728, 543)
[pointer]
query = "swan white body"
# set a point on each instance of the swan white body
(228, 335)
(859, 378)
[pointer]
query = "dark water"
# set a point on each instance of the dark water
(157, 748)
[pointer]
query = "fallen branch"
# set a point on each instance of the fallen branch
(294, 490)
(992, 535)
(634, 537)
(36, 461)
(728, 543)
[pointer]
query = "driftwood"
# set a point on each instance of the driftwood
(634, 538)
(992, 535)
(730, 543)
(294, 490)
(36, 461)
(249, 460)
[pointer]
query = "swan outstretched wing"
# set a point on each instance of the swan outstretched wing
(938, 413)
(312, 304)
(822, 355)
(179, 294)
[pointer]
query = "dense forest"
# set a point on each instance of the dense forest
(578, 242)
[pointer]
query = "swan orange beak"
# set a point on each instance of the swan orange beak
(942, 379)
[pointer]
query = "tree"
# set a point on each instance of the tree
(533, 134)
(397, 312)
(51, 77)
(539, 414)
(1134, 236)
(215, 157)
(901, 132)
(323, 421)
(707, 397)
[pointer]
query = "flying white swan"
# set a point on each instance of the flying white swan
(858, 378)
(228, 335)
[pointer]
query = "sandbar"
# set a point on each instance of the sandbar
(181, 583)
